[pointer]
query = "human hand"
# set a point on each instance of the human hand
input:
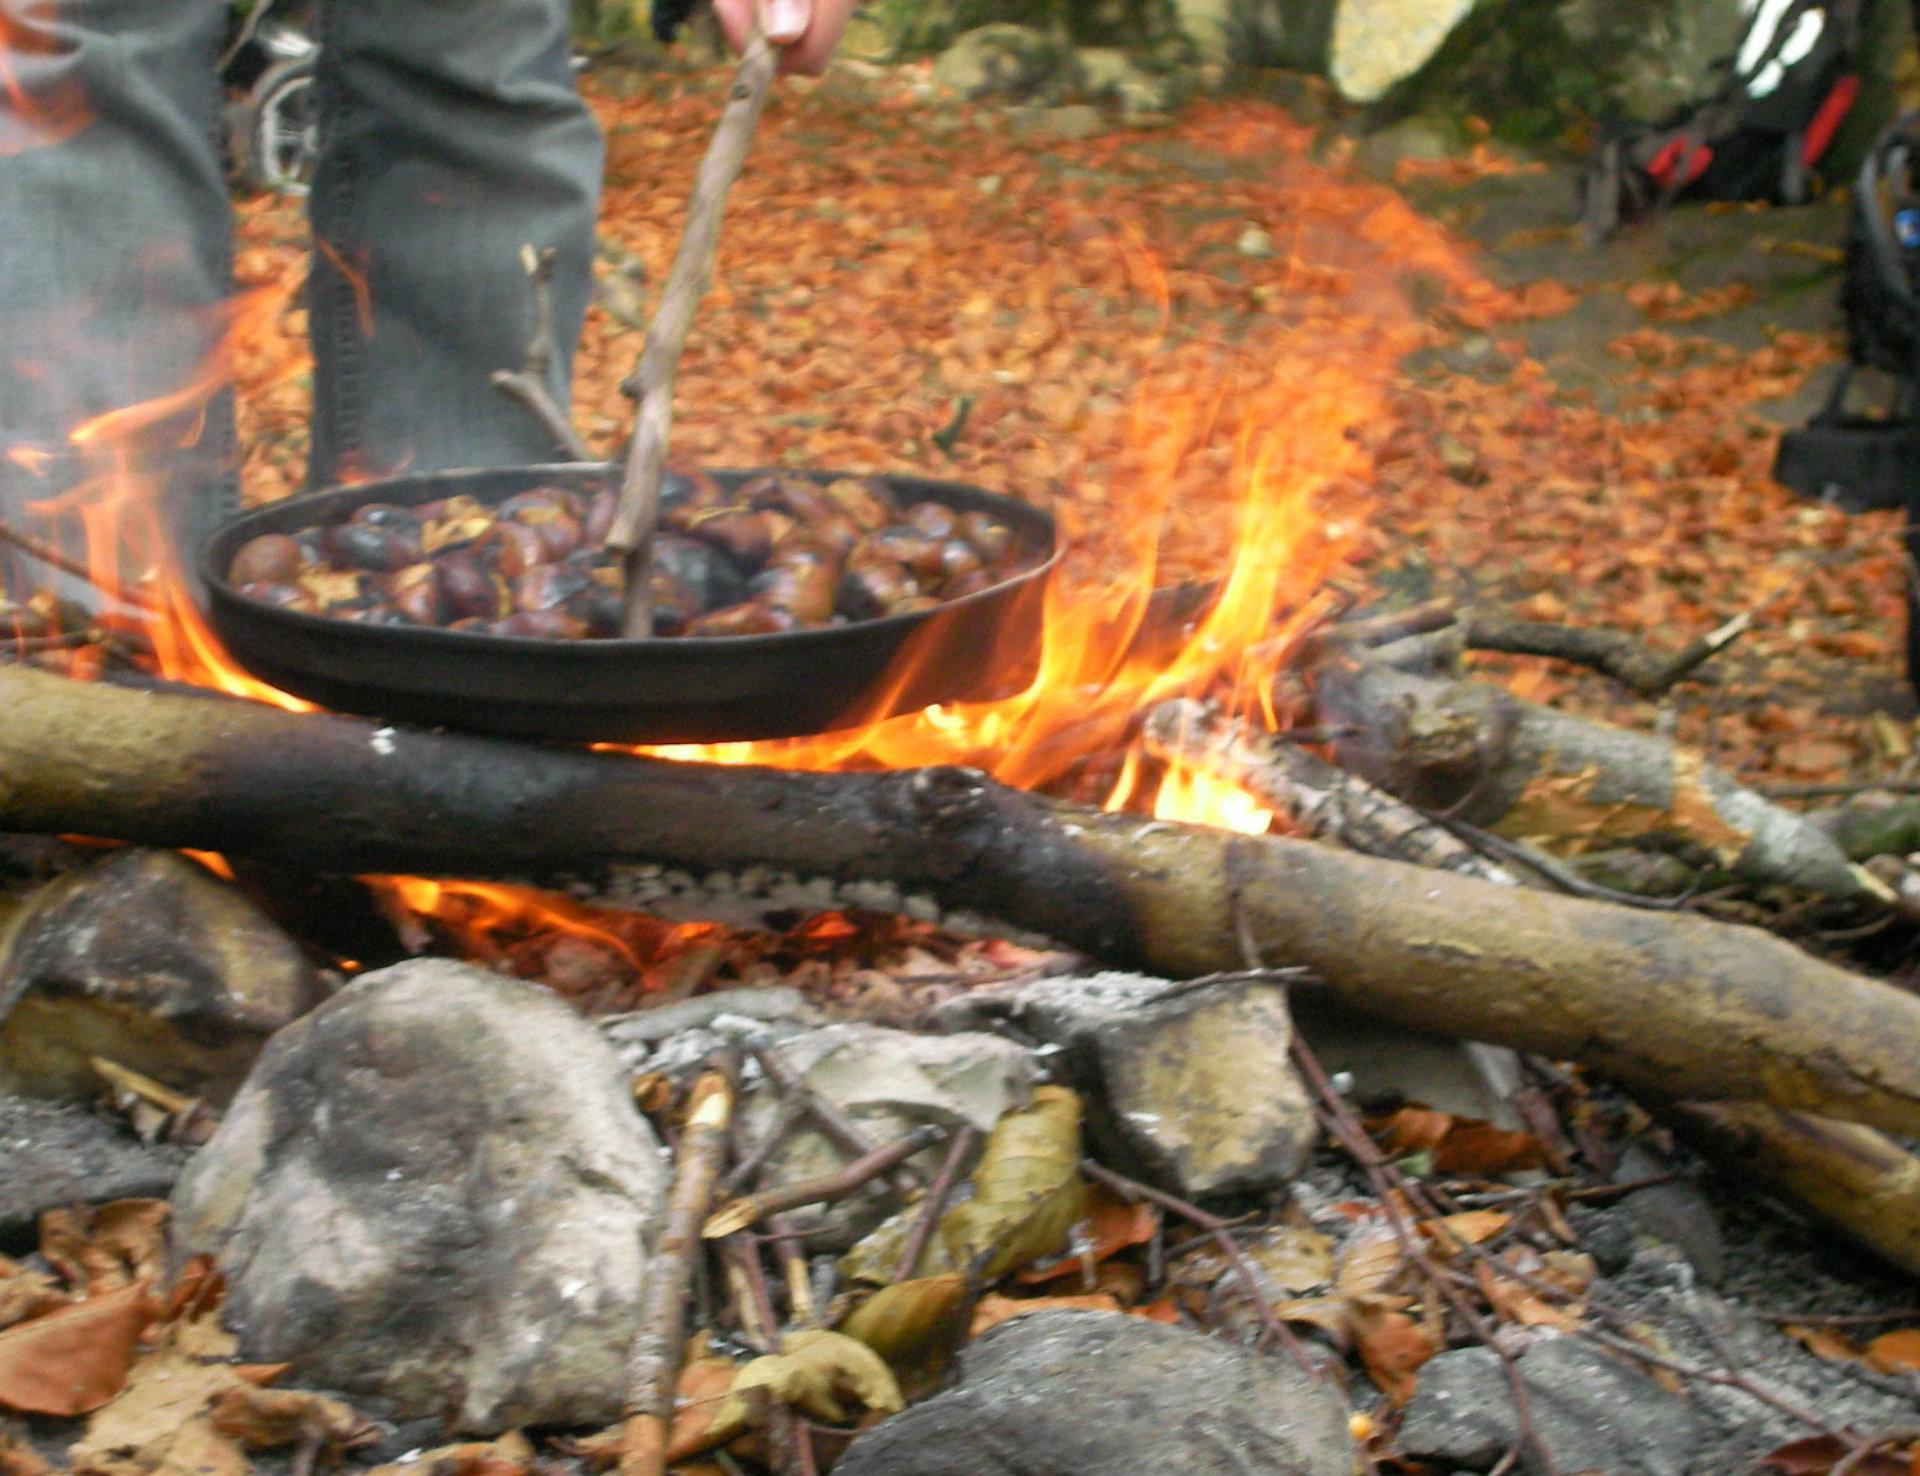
(806, 31)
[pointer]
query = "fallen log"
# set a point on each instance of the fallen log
(1519, 769)
(1669, 1004)
(1852, 1177)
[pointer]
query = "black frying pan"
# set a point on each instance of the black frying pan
(668, 690)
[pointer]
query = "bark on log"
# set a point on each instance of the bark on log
(1853, 1178)
(1669, 1004)
(1528, 771)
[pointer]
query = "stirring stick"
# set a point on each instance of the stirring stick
(633, 523)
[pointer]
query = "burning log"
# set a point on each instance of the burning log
(1668, 1004)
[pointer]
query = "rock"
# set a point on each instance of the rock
(1422, 139)
(889, 1082)
(436, 1189)
(1190, 1087)
(1377, 43)
(147, 960)
(1072, 122)
(1008, 61)
(1677, 1212)
(1072, 1393)
(676, 1038)
(1109, 75)
(1390, 1063)
(58, 1154)
(1259, 33)
(1255, 243)
(1593, 1412)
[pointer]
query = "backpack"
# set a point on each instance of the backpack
(1787, 90)
(1860, 462)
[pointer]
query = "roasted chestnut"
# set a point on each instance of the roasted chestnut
(935, 519)
(415, 593)
(993, 540)
(517, 547)
(363, 546)
(549, 586)
(704, 570)
(743, 535)
(805, 590)
(281, 596)
(272, 558)
(552, 625)
(752, 617)
(468, 589)
(958, 557)
(874, 587)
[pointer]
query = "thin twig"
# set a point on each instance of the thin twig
(750, 1209)
(528, 384)
(935, 1203)
(633, 525)
(1217, 1230)
(55, 559)
(654, 1363)
(834, 1124)
(747, 1171)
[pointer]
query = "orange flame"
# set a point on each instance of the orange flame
(1095, 679)
(42, 102)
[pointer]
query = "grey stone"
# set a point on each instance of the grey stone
(1676, 1212)
(889, 1082)
(1593, 1412)
(676, 1038)
(1008, 61)
(1071, 121)
(1110, 75)
(1070, 1393)
(435, 1188)
(1189, 1083)
(1386, 1062)
(1377, 43)
(146, 960)
(56, 1153)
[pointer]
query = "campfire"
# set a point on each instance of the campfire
(1238, 783)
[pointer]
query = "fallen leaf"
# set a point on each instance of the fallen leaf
(1470, 1227)
(1369, 1263)
(910, 1322)
(74, 1358)
(1393, 1347)
(263, 1419)
(1895, 1352)
(26, 1293)
(1108, 1226)
(994, 1310)
(510, 1455)
(109, 1246)
(1817, 1455)
(815, 1372)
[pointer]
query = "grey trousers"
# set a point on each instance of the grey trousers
(451, 136)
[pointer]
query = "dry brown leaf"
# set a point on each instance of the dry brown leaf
(815, 1373)
(1027, 1190)
(991, 1311)
(912, 1321)
(26, 1293)
(1816, 1455)
(1296, 1258)
(510, 1455)
(76, 1357)
(158, 1426)
(1369, 1263)
(109, 1246)
(262, 1419)
(1895, 1352)
(1470, 1227)
(1109, 1225)
(1393, 1347)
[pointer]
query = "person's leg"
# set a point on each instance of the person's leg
(114, 249)
(451, 137)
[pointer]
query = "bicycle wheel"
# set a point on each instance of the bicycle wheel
(284, 140)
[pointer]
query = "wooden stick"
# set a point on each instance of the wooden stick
(750, 1209)
(835, 1125)
(33, 548)
(633, 524)
(654, 1363)
(935, 1203)
(528, 384)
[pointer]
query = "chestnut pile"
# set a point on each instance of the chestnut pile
(782, 552)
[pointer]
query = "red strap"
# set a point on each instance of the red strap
(1663, 165)
(1827, 120)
